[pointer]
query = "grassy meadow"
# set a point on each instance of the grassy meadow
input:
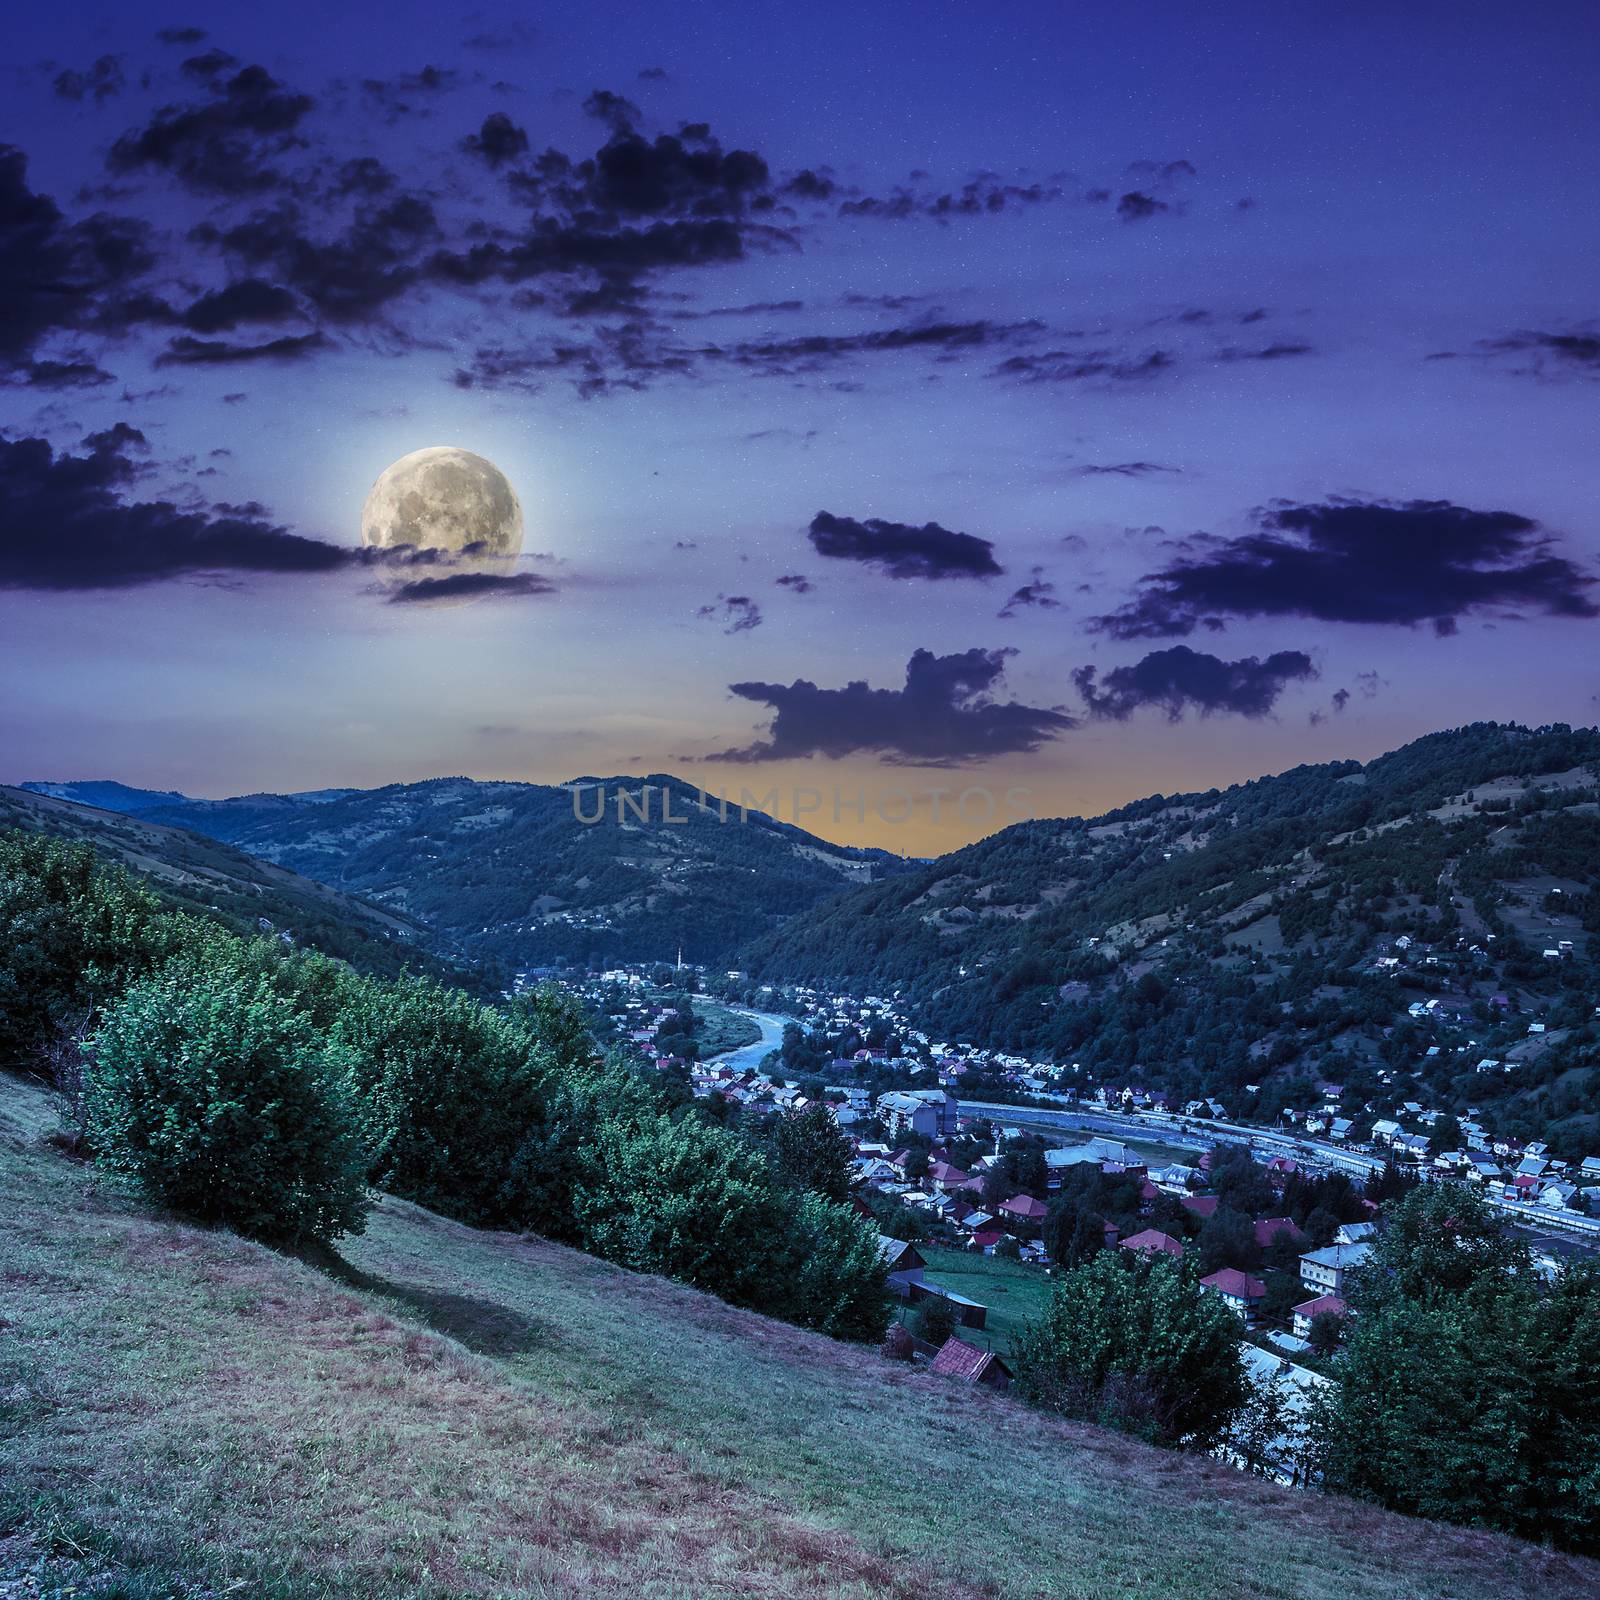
(444, 1413)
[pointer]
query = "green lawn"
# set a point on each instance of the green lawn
(449, 1413)
(1014, 1293)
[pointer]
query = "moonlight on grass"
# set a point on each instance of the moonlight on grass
(457, 507)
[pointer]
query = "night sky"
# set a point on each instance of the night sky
(1092, 400)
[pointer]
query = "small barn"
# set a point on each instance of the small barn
(968, 1364)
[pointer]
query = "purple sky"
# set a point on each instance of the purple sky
(1094, 400)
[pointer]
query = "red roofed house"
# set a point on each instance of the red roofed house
(1024, 1208)
(945, 1177)
(1239, 1291)
(986, 1239)
(958, 1359)
(1269, 1228)
(1152, 1239)
(1325, 1305)
(1202, 1205)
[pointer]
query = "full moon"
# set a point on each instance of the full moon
(447, 500)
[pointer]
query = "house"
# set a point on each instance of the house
(1385, 1129)
(1152, 1240)
(1270, 1228)
(1325, 1305)
(987, 1239)
(968, 1364)
(1201, 1205)
(1324, 1271)
(1238, 1291)
(944, 1177)
(1024, 1208)
(904, 1262)
(1355, 1232)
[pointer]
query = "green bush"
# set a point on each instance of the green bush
(453, 1090)
(221, 1100)
(1137, 1345)
(697, 1203)
(73, 931)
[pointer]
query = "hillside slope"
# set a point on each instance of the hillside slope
(213, 879)
(508, 871)
(1204, 942)
(469, 1414)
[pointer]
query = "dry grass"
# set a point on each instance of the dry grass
(455, 1413)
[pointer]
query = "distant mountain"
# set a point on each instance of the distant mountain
(109, 796)
(1247, 941)
(201, 875)
(508, 871)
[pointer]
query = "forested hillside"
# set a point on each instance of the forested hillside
(511, 872)
(1276, 934)
(191, 873)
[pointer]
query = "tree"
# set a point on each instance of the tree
(221, 1100)
(1139, 1346)
(934, 1319)
(1326, 1333)
(1465, 1390)
(1227, 1239)
(808, 1150)
(1267, 1434)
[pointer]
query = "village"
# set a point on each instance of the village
(985, 1173)
(850, 1051)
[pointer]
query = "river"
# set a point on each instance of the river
(752, 1055)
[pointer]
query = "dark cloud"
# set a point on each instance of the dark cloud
(654, 75)
(97, 82)
(1353, 561)
(1279, 350)
(902, 550)
(1036, 594)
(1180, 679)
(1137, 206)
(945, 714)
(796, 583)
(223, 145)
(187, 351)
(1573, 352)
(75, 373)
(248, 300)
(499, 140)
(615, 110)
(67, 525)
(782, 357)
(1341, 698)
(1079, 366)
(182, 35)
(737, 613)
(986, 195)
(1122, 469)
(469, 586)
(209, 66)
(347, 276)
(398, 96)
(55, 275)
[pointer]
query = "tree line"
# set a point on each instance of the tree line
(239, 1082)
